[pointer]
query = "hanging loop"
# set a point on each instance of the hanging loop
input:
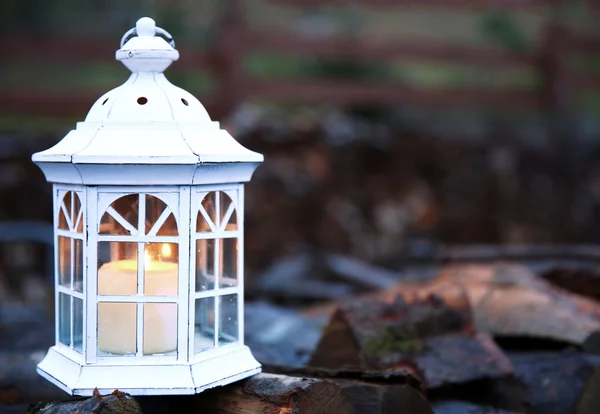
(157, 30)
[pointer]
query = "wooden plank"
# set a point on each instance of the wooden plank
(344, 93)
(369, 50)
(513, 5)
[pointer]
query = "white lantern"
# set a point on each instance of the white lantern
(149, 217)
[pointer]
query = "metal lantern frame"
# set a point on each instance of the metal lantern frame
(148, 145)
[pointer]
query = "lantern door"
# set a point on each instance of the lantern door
(140, 283)
(70, 262)
(216, 294)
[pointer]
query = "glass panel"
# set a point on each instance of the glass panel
(228, 320)
(204, 328)
(117, 268)
(78, 265)
(227, 222)
(64, 261)
(79, 224)
(116, 328)
(169, 228)
(205, 265)
(154, 208)
(209, 208)
(126, 208)
(64, 319)
(161, 269)
(229, 262)
(64, 212)
(78, 324)
(160, 328)
(75, 209)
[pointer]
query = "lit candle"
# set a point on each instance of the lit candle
(117, 321)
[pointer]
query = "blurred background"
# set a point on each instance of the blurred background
(389, 128)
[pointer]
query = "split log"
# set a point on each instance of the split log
(262, 393)
(373, 392)
(115, 403)
(509, 300)
(434, 335)
(266, 393)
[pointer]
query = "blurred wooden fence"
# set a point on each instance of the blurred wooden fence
(236, 39)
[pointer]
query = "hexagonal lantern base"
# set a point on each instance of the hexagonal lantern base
(77, 379)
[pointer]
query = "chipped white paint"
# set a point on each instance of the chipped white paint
(146, 137)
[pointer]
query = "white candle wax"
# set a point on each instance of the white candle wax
(117, 321)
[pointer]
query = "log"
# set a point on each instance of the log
(509, 300)
(115, 403)
(373, 392)
(432, 336)
(271, 393)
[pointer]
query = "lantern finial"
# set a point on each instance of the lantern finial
(143, 51)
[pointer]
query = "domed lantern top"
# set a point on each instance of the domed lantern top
(148, 225)
(147, 121)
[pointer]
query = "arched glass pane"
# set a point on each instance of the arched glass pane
(70, 214)
(227, 216)
(169, 227)
(155, 208)
(121, 217)
(207, 214)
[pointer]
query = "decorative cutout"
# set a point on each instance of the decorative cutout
(216, 213)
(122, 217)
(142, 100)
(70, 216)
(105, 101)
(185, 102)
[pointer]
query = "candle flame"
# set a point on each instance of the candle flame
(166, 250)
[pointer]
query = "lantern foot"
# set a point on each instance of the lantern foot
(156, 379)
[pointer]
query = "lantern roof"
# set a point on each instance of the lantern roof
(146, 121)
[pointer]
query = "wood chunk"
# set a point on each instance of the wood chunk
(370, 398)
(270, 393)
(115, 403)
(373, 392)
(508, 299)
(434, 335)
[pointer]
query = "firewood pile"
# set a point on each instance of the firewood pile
(487, 337)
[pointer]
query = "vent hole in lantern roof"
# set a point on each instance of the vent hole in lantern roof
(186, 103)
(142, 100)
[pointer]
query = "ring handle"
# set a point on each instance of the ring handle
(157, 30)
